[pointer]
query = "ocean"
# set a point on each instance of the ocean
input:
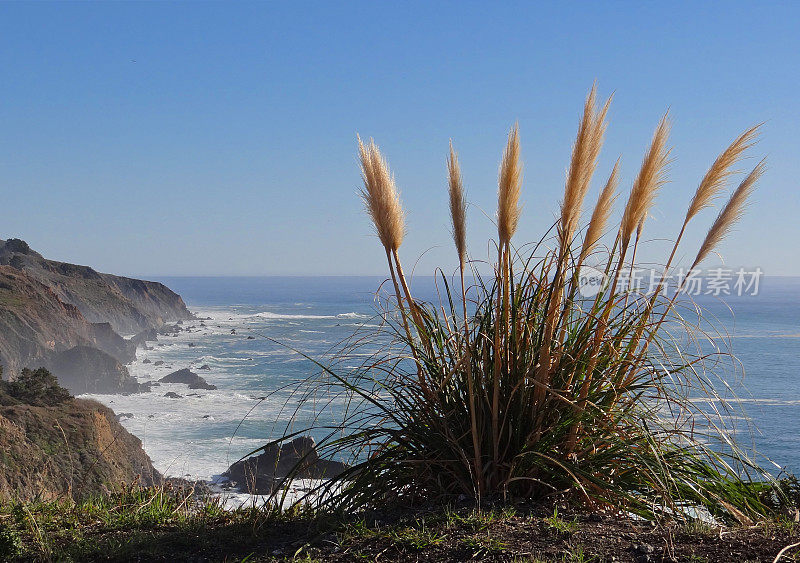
(201, 434)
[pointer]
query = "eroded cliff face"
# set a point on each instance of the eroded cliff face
(69, 319)
(128, 305)
(38, 329)
(74, 448)
(35, 323)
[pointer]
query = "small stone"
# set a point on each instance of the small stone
(644, 548)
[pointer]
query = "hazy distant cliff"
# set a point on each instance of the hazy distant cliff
(69, 318)
(129, 305)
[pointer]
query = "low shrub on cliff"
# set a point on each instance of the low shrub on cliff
(34, 387)
(522, 385)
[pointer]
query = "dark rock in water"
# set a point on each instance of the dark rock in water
(146, 361)
(149, 335)
(191, 344)
(122, 415)
(159, 363)
(188, 377)
(262, 474)
(171, 395)
(169, 330)
(205, 367)
(83, 369)
(251, 337)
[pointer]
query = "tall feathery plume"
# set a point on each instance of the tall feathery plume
(601, 213)
(652, 175)
(458, 205)
(730, 214)
(715, 179)
(509, 188)
(382, 203)
(583, 163)
(380, 196)
(508, 212)
(458, 214)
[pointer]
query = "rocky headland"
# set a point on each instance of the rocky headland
(53, 445)
(71, 319)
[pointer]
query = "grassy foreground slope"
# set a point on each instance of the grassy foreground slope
(166, 524)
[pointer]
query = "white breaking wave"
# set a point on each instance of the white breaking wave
(352, 316)
(291, 316)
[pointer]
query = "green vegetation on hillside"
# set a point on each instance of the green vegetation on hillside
(32, 387)
(172, 524)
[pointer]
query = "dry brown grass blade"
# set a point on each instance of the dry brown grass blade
(715, 179)
(380, 195)
(601, 213)
(652, 175)
(509, 188)
(458, 205)
(730, 214)
(583, 163)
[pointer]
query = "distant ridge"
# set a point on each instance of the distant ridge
(129, 305)
(69, 318)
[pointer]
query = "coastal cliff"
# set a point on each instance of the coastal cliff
(128, 305)
(52, 444)
(37, 329)
(69, 318)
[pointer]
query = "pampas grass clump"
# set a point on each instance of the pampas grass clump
(514, 384)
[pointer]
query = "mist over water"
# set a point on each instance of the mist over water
(203, 432)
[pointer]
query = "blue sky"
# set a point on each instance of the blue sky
(210, 138)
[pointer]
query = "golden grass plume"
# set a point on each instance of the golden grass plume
(509, 188)
(652, 175)
(730, 214)
(585, 152)
(380, 196)
(715, 179)
(601, 213)
(458, 205)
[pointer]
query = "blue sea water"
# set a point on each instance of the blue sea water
(200, 434)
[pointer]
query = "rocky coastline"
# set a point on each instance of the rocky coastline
(71, 319)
